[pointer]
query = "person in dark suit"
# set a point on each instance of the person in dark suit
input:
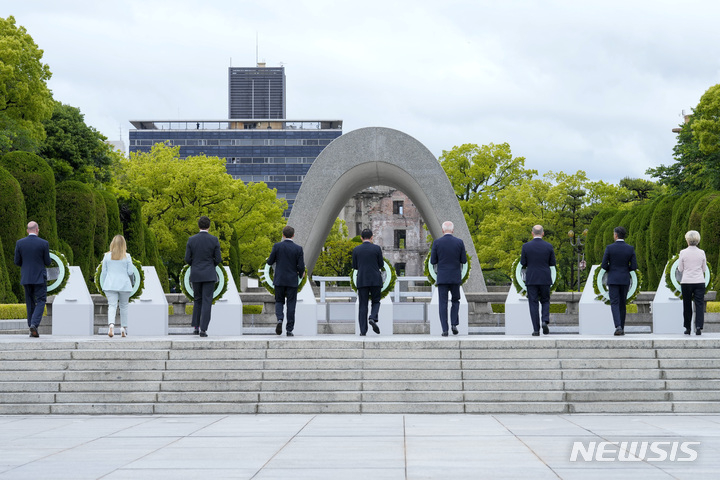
(289, 269)
(449, 254)
(367, 259)
(537, 256)
(32, 255)
(202, 253)
(619, 260)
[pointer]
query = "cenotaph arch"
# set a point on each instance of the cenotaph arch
(377, 156)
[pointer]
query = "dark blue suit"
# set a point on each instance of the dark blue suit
(537, 256)
(32, 255)
(367, 259)
(202, 253)
(618, 260)
(449, 254)
(289, 267)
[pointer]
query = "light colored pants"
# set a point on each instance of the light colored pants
(113, 299)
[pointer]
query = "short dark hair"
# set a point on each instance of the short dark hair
(620, 232)
(366, 234)
(204, 222)
(288, 232)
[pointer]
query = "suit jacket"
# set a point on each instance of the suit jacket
(202, 253)
(618, 260)
(537, 256)
(367, 259)
(32, 255)
(289, 263)
(448, 253)
(115, 276)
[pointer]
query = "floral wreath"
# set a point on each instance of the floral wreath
(431, 274)
(519, 282)
(221, 284)
(672, 282)
(388, 284)
(601, 290)
(58, 260)
(266, 279)
(137, 287)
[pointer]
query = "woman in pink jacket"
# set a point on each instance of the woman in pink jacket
(692, 265)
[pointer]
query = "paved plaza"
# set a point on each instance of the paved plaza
(346, 447)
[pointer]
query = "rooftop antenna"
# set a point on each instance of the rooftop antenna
(257, 48)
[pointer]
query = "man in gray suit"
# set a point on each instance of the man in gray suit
(32, 255)
(367, 259)
(202, 253)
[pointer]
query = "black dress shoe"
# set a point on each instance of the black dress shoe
(619, 332)
(536, 334)
(445, 334)
(374, 326)
(196, 331)
(698, 331)
(278, 328)
(545, 328)
(687, 331)
(33, 332)
(290, 334)
(362, 334)
(203, 334)
(454, 330)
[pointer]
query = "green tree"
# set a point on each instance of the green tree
(12, 219)
(335, 259)
(641, 189)
(659, 239)
(710, 231)
(76, 151)
(76, 217)
(114, 225)
(38, 187)
(595, 239)
(25, 99)
(6, 293)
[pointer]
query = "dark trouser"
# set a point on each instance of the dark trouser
(35, 297)
(618, 297)
(454, 290)
(363, 293)
(203, 304)
(281, 294)
(541, 294)
(693, 293)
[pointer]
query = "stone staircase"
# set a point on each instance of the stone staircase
(344, 374)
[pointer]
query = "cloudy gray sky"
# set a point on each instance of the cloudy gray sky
(569, 84)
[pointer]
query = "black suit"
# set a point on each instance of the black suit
(618, 260)
(449, 254)
(537, 256)
(289, 267)
(202, 253)
(367, 259)
(32, 255)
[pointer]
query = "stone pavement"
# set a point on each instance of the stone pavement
(347, 447)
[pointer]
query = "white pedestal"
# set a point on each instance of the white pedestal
(517, 314)
(434, 314)
(226, 317)
(595, 317)
(73, 309)
(385, 317)
(667, 310)
(306, 322)
(148, 315)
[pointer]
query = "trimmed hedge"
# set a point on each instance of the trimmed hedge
(14, 226)
(696, 214)
(153, 258)
(659, 238)
(15, 311)
(37, 182)
(133, 231)
(76, 216)
(101, 240)
(594, 255)
(681, 215)
(710, 233)
(6, 293)
(114, 227)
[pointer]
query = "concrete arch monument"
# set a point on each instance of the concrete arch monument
(377, 156)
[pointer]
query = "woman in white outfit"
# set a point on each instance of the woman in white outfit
(117, 267)
(692, 266)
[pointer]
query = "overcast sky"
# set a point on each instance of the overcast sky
(569, 84)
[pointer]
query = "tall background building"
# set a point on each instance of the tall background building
(256, 92)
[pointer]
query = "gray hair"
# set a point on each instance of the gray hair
(448, 227)
(692, 237)
(537, 230)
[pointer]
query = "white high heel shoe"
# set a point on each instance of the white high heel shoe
(123, 332)
(111, 333)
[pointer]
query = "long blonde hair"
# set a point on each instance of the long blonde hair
(118, 248)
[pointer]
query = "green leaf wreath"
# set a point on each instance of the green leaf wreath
(519, 283)
(220, 286)
(59, 261)
(429, 272)
(388, 285)
(674, 285)
(266, 279)
(604, 296)
(138, 287)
